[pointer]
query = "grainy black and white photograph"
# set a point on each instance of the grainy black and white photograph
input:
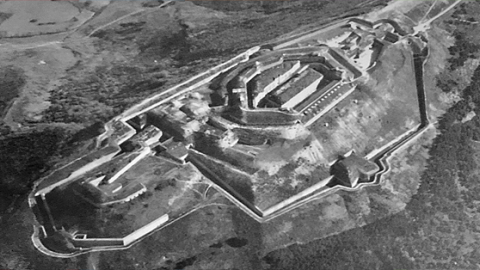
(239, 134)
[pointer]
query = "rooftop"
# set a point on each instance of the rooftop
(308, 77)
(270, 75)
(350, 169)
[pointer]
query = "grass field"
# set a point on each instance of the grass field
(172, 190)
(36, 18)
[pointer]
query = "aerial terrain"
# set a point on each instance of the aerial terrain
(239, 134)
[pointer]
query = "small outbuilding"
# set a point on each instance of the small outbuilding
(350, 170)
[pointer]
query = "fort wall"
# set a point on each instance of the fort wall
(266, 117)
(75, 169)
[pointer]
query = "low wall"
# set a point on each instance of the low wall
(195, 159)
(116, 243)
(145, 151)
(150, 227)
(75, 169)
(267, 117)
(308, 191)
(344, 62)
(97, 242)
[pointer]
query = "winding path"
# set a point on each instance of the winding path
(425, 25)
(128, 15)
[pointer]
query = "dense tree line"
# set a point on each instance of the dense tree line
(11, 80)
(462, 50)
(24, 157)
(465, 46)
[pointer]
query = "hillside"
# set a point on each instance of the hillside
(67, 76)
